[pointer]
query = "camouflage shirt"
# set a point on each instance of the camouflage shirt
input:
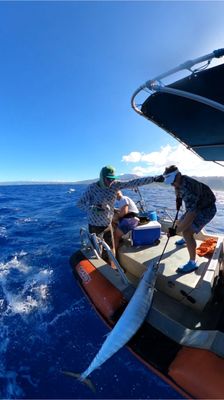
(196, 195)
(98, 202)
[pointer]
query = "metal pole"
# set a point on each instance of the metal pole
(174, 221)
(150, 84)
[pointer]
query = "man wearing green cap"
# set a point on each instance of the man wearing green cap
(98, 200)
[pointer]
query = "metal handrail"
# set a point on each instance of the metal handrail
(88, 242)
(91, 240)
(155, 85)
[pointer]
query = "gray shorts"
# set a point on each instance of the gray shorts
(202, 218)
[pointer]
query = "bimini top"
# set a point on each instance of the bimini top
(190, 109)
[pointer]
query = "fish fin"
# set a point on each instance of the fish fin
(72, 374)
(78, 376)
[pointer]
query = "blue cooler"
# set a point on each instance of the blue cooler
(152, 215)
(146, 234)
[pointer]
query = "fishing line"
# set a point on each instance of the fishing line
(141, 202)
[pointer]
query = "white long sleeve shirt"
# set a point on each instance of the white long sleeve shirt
(98, 202)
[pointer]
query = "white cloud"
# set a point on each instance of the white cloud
(134, 156)
(184, 159)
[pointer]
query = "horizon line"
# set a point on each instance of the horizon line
(82, 180)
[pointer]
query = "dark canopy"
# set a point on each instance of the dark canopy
(198, 126)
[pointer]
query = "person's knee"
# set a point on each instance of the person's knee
(188, 234)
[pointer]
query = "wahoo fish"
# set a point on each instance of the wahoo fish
(128, 324)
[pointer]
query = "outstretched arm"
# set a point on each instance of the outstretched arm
(133, 183)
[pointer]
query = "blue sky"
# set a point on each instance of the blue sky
(67, 73)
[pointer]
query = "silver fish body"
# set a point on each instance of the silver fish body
(130, 321)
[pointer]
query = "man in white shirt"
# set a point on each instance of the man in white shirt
(128, 217)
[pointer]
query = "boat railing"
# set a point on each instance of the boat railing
(164, 212)
(90, 241)
(155, 85)
(166, 216)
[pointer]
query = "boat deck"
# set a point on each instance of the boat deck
(182, 287)
(183, 305)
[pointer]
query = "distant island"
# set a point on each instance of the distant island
(214, 182)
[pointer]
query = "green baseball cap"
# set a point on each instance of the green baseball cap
(108, 172)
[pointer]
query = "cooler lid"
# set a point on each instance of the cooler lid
(149, 225)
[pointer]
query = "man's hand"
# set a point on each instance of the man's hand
(97, 209)
(172, 232)
(159, 178)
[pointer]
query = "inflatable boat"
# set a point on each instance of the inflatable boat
(181, 338)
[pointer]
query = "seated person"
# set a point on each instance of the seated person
(127, 217)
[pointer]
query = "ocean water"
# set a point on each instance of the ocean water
(47, 325)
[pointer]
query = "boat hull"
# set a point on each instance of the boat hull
(193, 372)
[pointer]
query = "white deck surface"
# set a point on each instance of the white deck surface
(135, 260)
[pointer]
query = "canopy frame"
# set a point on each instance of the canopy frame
(155, 86)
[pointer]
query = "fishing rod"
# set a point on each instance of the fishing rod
(173, 226)
(141, 202)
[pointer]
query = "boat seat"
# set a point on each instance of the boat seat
(201, 334)
(193, 289)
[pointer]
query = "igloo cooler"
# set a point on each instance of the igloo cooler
(146, 234)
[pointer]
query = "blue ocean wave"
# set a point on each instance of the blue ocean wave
(47, 325)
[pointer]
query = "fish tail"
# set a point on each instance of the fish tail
(78, 376)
